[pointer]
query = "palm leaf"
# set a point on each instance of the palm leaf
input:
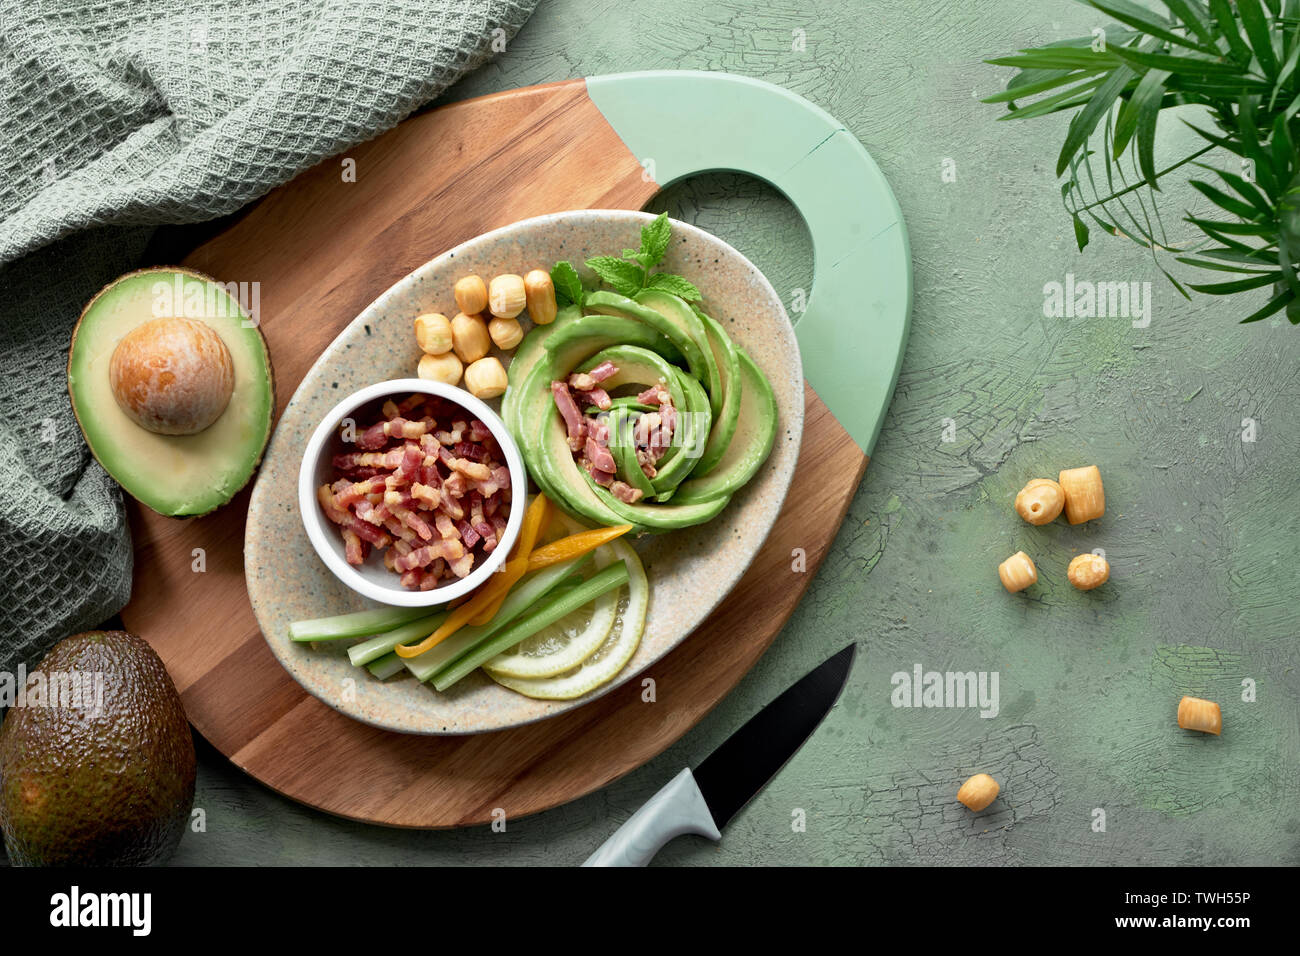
(1275, 305)
(1227, 23)
(1148, 23)
(1260, 34)
(1196, 19)
(1239, 62)
(1241, 285)
(1140, 109)
(1086, 120)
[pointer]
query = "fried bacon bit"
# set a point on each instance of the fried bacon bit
(595, 396)
(401, 428)
(432, 503)
(446, 527)
(602, 478)
(400, 505)
(474, 470)
(471, 451)
(661, 437)
(384, 461)
(453, 437)
(625, 492)
(573, 419)
(647, 462)
(354, 549)
(422, 556)
(353, 492)
(599, 456)
(373, 438)
(454, 486)
(651, 432)
(654, 395)
(468, 534)
(426, 495)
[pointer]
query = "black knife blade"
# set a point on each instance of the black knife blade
(743, 764)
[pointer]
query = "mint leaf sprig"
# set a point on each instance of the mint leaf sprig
(631, 272)
(568, 285)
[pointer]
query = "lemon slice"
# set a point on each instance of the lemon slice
(605, 663)
(568, 642)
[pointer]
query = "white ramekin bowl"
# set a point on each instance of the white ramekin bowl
(372, 579)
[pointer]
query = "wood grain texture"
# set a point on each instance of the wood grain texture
(322, 249)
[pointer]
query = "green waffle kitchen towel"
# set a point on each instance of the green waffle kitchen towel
(117, 116)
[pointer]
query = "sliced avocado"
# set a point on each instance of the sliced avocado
(623, 448)
(588, 335)
(527, 353)
(636, 366)
(519, 393)
(677, 311)
(172, 474)
(657, 516)
(100, 772)
(751, 444)
(611, 303)
(534, 405)
(693, 425)
(724, 421)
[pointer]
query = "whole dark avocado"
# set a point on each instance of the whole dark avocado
(103, 779)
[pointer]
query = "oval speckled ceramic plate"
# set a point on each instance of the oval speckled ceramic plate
(690, 571)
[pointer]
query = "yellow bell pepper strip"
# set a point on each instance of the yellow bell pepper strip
(535, 521)
(491, 610)
(486, 596)
(574, 545)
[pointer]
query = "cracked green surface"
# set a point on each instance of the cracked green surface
(1201, 529)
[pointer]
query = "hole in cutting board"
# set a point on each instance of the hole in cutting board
(753, 216)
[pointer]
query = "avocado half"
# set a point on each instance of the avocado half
(99, 769)
(175, 475)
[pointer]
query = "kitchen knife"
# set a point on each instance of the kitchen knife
(705, 800)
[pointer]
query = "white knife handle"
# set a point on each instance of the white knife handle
(676, 809)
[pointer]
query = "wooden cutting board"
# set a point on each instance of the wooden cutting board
(323, 247)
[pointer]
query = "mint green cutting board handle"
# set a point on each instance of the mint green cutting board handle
(854, 329)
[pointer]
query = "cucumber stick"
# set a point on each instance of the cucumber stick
(531, 588)
(386, 666)
(613, 576)
(358, 624)
(381, 644)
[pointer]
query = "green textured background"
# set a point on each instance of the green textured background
(1201, 529)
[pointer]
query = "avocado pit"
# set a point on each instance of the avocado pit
(172, 376)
